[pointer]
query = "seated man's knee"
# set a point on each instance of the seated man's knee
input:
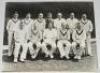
(82, 45)
(59, 44)
(73, 44)
(39, 44)
(54, 46)
(43, 45)
(29, 44)
(69, 45)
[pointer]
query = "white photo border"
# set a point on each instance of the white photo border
(96, 11)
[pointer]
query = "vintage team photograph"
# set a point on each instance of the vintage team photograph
(49, 36)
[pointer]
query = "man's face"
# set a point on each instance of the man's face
(49, 16)
(79, 26)
(72, 15)
(50, 25)
(28, 16)
(40, 16)
(63, 26)
(84, 16)
(59, 16)
(16, 15)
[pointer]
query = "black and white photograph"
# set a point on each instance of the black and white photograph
(49, 36)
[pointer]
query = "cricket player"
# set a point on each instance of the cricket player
(49, 40)
(58, 21)
(88, 26)
(35, 41)
(64, 44)
(40, 22)
(11, 25)
(49, 18)
(28, 21)
(79, 40)
(20, 37)
(72, 22)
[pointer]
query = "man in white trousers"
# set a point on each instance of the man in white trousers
(58, 21)
(88, 26)
(35, 41)
(11, 25)
(20, 37)
(49, 40)
(79, 41)
(64, 44)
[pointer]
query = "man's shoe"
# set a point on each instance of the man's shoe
(22, 60)
(67, 57)
(15, 60)
(51, 56)
(33, 56)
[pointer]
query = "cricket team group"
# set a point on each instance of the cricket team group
(69, 35)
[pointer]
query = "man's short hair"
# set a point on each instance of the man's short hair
(59, 14)
(41, 14)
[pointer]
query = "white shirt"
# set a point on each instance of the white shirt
(36, 35)
(79, 37)
(20, 36)
(72, 22)
(12, 24)
(57, 23)
(28, 23)
(50, 34)
(87, 25)
(40, 24)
